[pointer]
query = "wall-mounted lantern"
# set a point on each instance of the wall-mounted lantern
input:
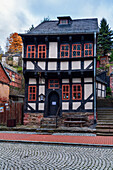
(42, 97)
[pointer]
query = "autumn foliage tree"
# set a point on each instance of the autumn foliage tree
(14, 44)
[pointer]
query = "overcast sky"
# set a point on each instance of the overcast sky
(19, 15)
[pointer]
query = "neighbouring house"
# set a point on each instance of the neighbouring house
(104, 60)
(59, 66)
(12, 59)
(16, 78)
(4, 85)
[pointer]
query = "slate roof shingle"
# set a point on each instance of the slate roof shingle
(76, 27)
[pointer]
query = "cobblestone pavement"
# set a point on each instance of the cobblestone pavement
(54, 157)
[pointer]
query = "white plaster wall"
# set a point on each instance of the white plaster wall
(87, 63)
(65, 105)
(32, 81)
(76, 80)
(89, 105)
(29, 65)
(88, 80)
(41, 80)
(64, 65)
(33, 105)
(53, 49)
(103, 94)
(99, 85)
(99, 93)
(52, 65)
(41, 106)
(88, 90)
(41, 65)
(103, 87)
(75, 65)
(75, 105)
(42, 90)
(65, 80)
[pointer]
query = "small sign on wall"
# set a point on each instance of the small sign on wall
(1, 109)
(53, 103)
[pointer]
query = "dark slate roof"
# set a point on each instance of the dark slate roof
(77, 26)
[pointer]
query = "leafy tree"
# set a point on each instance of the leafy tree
(14, 44)
(104, 43)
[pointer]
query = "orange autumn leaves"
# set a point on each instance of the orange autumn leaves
(14, 43)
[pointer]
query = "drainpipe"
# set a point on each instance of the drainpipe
(94, 77)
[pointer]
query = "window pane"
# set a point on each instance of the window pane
(62, 48)
(64, 88)
(74, 88)
(28, 55)
(90, 46)
(67, 96)
(74, 47)
(74, 96)
(74, 53)
(43, 55)
(33, 96)
(32, 55)
(78, 53)
(30, 97)
(33, 89)
(62, 54)
(51, 81)
(30, 89)
(78, 47)
(29, 48)
(43, 48)
(33, 48)
(90, 52)
(56, 85)
(51, 85)
(86, 52)
(66, 54)
(78, 95)
(78, 88)
(86, 46)
(39, 55)
(39, 48)
(56, 81)
(66, 47)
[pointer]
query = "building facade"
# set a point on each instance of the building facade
(4, 85)
(59, 66)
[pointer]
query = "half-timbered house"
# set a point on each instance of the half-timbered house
(59, 66)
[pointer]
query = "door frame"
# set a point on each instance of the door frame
(46, 114)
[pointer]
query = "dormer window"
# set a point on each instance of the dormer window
(66, 20)
(63, 21)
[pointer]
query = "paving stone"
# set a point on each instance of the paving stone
(54, 157)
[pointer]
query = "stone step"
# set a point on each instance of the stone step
(105, 121)
(104, 127)
(104, 130)
(104, 134)
(48, 126)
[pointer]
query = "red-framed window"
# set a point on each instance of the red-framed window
(32, 93)
(42, 51)
(63, 21)
(53, 84)
(64, 51)
(77, 92)
(31, 51)
(65, 92)
(88, 50)
(76, 50)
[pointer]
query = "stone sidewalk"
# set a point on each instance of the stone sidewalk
(69, 139)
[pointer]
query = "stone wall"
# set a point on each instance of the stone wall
(32, 118)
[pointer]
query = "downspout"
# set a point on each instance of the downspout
(94, 77)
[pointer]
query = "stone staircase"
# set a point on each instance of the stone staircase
(104, 117)
(49, 122)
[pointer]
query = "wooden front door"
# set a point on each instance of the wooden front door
(53, 103)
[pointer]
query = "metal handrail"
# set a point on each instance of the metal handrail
(57, 115)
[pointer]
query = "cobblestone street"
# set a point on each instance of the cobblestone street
(53, 157)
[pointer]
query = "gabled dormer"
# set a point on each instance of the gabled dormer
(64, 20)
